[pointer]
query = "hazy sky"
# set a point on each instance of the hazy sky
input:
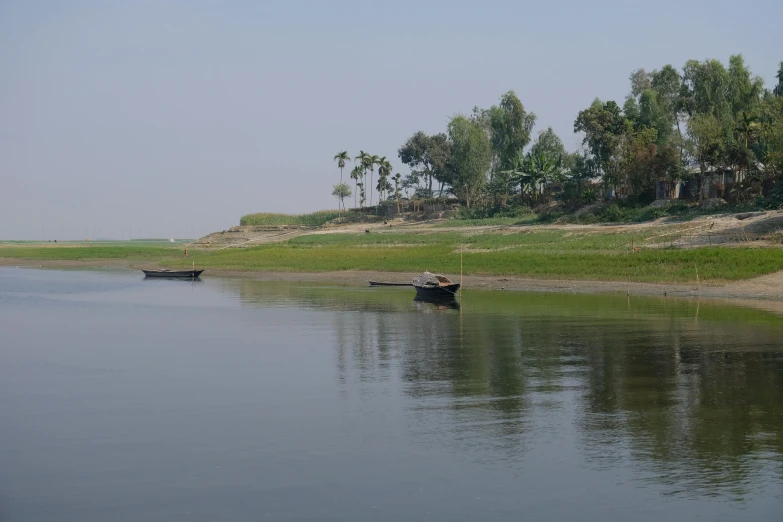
(170, 119)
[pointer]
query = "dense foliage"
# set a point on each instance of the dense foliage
(674, 125)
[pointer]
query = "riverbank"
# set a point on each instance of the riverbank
(767, 288)
(728, 256)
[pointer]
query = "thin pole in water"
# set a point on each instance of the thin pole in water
(460, 271)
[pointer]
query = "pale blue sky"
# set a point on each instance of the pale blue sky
(169, 118)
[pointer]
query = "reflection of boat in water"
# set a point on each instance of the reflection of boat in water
(441, 303)
(435, 285)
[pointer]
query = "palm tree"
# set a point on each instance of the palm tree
(341, 157)
(371, 162)
(396, 179)
(362, 194)
(384, 171)
(746, 130)
(356, 174)
(362, 160)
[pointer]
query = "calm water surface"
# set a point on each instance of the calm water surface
(229, 399)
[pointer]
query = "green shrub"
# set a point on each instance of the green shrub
(775, 200)
(612, 213)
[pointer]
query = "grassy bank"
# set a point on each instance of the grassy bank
(76, 252)
(314, 219)
(545, 254)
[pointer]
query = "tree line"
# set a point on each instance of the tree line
(366, 162)
(673, 124)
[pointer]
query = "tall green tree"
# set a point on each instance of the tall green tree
(471, 157)
(549, 143)
(603, 125)
(667, 83)
(510, 126)
(428, 158)
(745, 98)
(771, 135)
(744, 91)
(642, 161)
(640, 82)
(705, 89)
(579, 168)
(707, 135)
(653, 114)
(341, 157)
(648, 108)
(778, 90)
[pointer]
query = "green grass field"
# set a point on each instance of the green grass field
(545, 254)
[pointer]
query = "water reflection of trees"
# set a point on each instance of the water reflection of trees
(692, 404)
(696, 403)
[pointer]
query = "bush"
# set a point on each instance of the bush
(775, 200)
(611, 213)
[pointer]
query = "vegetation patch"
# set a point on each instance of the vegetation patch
(314, 219)
(714, 265)
(523, 252)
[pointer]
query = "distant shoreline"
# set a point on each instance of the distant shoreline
(765, 289)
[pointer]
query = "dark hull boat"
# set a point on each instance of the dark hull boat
(442, 292)
(435, 286)
(175, 274)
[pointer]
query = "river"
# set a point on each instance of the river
(127, 399)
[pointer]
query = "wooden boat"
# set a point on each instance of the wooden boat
(177, 274)
(435, 285)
